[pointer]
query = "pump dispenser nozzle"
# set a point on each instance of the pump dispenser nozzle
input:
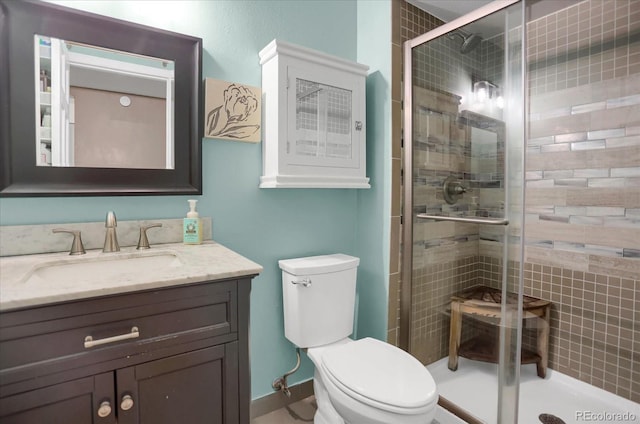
(192, 212)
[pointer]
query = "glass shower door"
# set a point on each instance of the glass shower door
(464, 138)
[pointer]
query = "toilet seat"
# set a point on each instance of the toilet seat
(380, 375)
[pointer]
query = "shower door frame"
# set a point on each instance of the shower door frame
(506, 414)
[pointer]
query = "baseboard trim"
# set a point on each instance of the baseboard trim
(277, 400)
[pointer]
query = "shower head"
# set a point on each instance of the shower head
(469, 41)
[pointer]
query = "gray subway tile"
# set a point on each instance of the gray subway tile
(564, 111)
(588, 145)
(567, 138)
(565, 245)
(631, 253)
(623, 101)
(586, 220)
(603, 250)
(533, 175)
(606, 182)
(551, 148)
(574, 182)
(540, 183)
(590, 107)
(618, 132)
(632, 130)
(621, 221)
(554, 218)
(626, 172)
(604, 211)
(570, 210)
(540, 141)
(539, 243)
(632, 141)
(632, 213)
(632, 182)
(591, 173)
(562, 173)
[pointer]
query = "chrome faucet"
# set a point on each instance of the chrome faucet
(111, 237)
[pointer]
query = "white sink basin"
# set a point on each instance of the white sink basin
(113, 267)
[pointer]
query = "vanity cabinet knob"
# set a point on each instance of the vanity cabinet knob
(143, 241)
(126, 403)
(105, 409)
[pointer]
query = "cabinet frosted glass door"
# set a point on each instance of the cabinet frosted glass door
(324, 127)
(73, 402)
(187, 388)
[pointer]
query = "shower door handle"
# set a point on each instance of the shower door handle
(484, 221)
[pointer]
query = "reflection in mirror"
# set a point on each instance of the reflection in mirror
(97, 107)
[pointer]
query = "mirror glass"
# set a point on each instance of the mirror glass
(102, 108)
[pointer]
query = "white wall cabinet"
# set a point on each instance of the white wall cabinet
(314, 119)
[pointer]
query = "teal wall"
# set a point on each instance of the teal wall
(374, 205)
(267, 224)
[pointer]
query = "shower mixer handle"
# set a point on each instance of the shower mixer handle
(453, 189)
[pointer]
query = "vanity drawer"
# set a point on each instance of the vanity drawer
(125, 325)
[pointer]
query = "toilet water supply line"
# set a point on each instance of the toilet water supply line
(280, 383)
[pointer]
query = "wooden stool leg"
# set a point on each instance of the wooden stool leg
(454, 335)
(543, 343)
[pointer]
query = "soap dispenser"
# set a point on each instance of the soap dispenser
(192, 230)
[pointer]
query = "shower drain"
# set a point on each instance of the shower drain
(550, 419)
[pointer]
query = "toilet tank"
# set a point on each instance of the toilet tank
(318, 295)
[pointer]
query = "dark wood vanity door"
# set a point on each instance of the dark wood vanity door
(72, 402)
(198, 387)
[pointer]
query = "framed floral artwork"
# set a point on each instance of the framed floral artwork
(232, 111)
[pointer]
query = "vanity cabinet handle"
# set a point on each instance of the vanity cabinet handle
(89, 342)
(126, 403)
(105, 409)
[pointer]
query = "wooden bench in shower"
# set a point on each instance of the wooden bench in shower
(484, 303)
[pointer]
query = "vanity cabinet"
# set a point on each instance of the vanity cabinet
(314, 119)
(167, 355)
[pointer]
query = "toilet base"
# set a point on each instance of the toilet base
(326, 413)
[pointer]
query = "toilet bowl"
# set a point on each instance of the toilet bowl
(364, 381)
(372, 382)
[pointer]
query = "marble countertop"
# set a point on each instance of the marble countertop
(35, 280)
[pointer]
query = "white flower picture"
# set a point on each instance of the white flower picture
(232, 111)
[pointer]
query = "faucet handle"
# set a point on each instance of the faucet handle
(77, 248)
(143, 241)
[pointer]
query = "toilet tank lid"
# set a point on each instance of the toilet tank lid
(319, 264)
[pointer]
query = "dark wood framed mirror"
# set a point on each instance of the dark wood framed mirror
(23, 25)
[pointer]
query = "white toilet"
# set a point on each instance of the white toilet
(356, 382)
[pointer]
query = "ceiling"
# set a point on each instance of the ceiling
(448, 10)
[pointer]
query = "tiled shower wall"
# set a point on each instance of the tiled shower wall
(582, 200)
(583, 189)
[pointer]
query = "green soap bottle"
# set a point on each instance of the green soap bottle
(192, 229)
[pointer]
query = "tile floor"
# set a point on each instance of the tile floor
(302, 412)
(296, 413)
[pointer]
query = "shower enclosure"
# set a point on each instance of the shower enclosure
(522, 198)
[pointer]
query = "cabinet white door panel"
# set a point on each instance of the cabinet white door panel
(314, 119)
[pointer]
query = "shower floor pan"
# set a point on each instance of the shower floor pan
(474, 388)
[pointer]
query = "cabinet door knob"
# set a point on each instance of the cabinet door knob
(105, 409)
(127, 403)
